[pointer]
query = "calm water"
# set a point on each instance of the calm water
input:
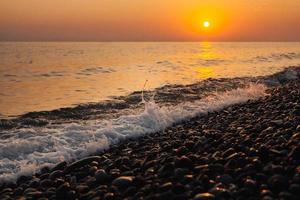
(46, 75)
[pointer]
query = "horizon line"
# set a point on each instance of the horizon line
(108, 41)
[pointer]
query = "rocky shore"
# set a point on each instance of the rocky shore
(248, 151)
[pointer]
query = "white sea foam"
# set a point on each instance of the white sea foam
(26, 150)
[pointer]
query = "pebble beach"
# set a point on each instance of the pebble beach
(245, 151)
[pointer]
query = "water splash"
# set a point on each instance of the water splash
(38, 147)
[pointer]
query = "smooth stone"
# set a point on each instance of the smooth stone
(56, 174)
(220, 192)
(165, 170)
(296, 112)
(278, 183)
(296, 136)
(285, 195)
(94, 164)
(34, 183)
(6, 190)
(165, 187)
(225, 179)
(88, 195)
(204, 196)
(267, 198)
(123, 182)
(130, 191)
(18, 191)
(228, 152)
(81, 163)
(58, 182)
(45, 170)
(29, 190)
(102, 177)
(295, 189)
(183, 162)
(60, 166)
(46, 183)
(92, 170)
(91, 182)
(199, 168)
(82, 188)
(35, 194)
(179, 173)
(266, 192)
(278, 122)
(109, 196)
(251, 184)
(178, 188)
(49, 193)
(63, 190)
(295, 153)
(217, 168)
(44, 176)
(188, 178)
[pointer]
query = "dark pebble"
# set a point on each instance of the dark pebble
(225, 179)
(56, 174)
(123, 182)
(295, 153)
(60, 166)
(81, 163)
(278, 183)
(102, 177)
(183, 162)
(204, 196)
(46, 183)
(295, 189)
(63, 191)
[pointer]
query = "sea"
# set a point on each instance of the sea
(92, 95)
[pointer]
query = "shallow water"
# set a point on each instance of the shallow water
(47, 75)
(27, 147)
(25, 150)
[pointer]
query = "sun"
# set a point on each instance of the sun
(206, 24)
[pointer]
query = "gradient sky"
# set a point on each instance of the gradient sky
(149, 20)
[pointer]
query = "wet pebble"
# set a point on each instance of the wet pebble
(278, 183)
(81, 163)
(123, 182)
(183, 162)
(204, 196)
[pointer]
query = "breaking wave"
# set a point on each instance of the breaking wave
(24, 151)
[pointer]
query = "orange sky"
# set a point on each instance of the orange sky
(149, 20)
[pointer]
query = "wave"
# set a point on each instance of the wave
(24, 151)
(276, 57)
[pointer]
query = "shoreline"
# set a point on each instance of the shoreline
(124, 105)
(245, 150)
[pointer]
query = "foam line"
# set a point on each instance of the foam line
(23, 151)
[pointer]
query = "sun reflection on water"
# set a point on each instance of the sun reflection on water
(207, 51)
(208, 56)
(204, 72)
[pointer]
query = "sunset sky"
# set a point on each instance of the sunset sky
(149, 20)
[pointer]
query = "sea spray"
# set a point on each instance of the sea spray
(52, 144)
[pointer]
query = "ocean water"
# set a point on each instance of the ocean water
(24, 151)
(40, 76)
(45, 76)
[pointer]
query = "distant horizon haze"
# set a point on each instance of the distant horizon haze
(136, 20)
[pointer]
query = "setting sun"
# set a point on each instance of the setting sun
(206, 24)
